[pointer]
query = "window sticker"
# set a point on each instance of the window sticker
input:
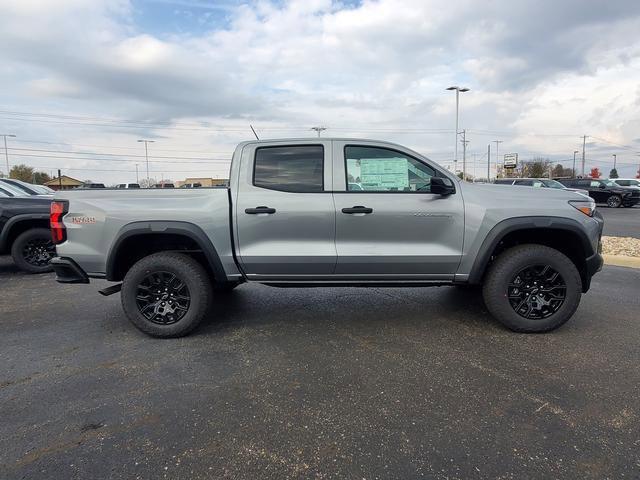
(377, 174)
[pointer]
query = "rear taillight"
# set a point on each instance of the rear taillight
(58, 230)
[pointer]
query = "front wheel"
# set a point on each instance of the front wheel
(532, 288)
(33, 250)
(166, 294)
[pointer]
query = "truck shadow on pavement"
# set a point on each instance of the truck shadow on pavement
(256, 306)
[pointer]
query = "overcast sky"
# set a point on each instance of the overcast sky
(85, 79)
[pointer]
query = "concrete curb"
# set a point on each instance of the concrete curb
(622, 261)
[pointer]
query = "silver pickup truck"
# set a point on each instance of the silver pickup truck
(330, 212)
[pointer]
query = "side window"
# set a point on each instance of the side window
(537, 183)
(376, 169)
(594, 184)
(290, 169)
(623, 183)
(526, 183)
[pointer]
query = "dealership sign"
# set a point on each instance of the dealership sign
(510, 160)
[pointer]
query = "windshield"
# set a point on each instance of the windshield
(553, 184)
(609, 183)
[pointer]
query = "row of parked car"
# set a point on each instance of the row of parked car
(613, 192)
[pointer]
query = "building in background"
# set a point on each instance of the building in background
(63, 183)
(204, 182)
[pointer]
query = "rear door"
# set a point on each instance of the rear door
(284, 211)
(388, 223)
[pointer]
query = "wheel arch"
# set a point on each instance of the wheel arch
(138, 239)
(563, 234)
(21, 223)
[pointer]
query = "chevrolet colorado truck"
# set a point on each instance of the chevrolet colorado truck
(330, 212)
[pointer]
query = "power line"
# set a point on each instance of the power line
(114, 159)
(117, 154)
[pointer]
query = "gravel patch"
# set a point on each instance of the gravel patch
(627, 246)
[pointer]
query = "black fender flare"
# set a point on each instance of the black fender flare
(22, 217)
(503, 228)
(161, 227)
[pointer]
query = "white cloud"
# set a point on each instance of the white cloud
(533, 67)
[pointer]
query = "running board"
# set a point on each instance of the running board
(110, 290)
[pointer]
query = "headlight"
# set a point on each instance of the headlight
(585, 206)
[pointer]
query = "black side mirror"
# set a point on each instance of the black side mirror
(442, 186)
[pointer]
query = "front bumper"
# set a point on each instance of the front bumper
(68, 271)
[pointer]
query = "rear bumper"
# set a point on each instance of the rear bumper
(68, 271)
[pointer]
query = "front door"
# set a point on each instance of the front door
(284, 211)
(388, 223)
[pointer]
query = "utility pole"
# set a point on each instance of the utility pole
(488, 163)
(6, 151)
(455, 141)
(146, 155)
(318, 130)
(574, 163)
(59, 180)
(464, 154)
(584, 144)
(474, 166)
(137, 173)
(497, 142)
(614, 160)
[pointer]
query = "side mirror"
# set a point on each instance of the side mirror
(442, 186)
(602, 185)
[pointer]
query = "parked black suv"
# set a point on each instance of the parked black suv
(605, 191)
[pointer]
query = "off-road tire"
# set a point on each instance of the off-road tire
(512, 261)
(187, 270)
(21, 242)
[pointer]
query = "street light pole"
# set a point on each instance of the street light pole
(574, 163)
(146, 155)
(458, 90)
(137, 181)
(615, 157)
(6, 151)
(497, 142)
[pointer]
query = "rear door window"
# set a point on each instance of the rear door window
(294, 168)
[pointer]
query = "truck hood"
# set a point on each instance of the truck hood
(510, 192)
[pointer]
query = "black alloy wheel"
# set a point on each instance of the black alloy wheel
(537, 292)
(38, 252)
(163, 298)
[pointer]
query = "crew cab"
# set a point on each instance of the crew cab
(330, 212)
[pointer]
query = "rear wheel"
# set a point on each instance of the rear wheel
(33, 250)
(532, 288)
(166, 294)
(614, 201)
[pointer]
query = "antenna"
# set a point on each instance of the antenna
(254, 132)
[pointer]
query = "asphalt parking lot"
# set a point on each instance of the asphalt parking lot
(319, 383)
(621, 222)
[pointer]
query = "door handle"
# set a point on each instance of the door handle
(260, 209)
(357, 209)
